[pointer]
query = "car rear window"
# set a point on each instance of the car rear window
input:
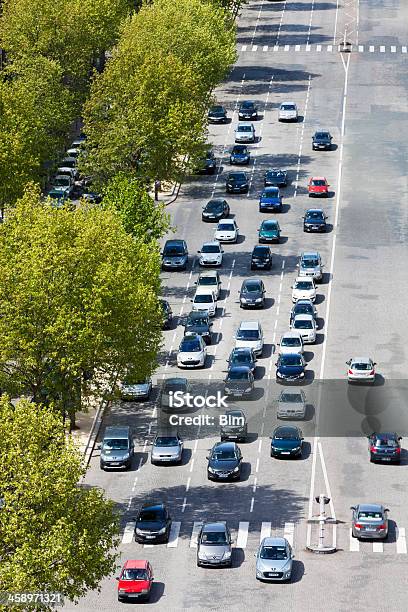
(370, 515)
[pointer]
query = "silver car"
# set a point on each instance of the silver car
(369, 521)
(310, 265)
(291, 404)
(288, 112)
(274, 560)
(361, 369)
(245, 132)
(131, 390)
(214, 545)
(167, 449)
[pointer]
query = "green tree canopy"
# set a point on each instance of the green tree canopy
(55, 535)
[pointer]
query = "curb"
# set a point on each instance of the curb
(93, 434)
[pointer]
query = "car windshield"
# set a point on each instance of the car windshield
(173, 250)
(210, 248)
(241, 358)
(238, 176)
(247, 105)
(291, 360)
(151, 515)
(319, 182)
(248, 334)
(62, 181)
(322, 135)
(216, 109)
(314, 214)
(290, 341)
(310, 263)
(277, 553)
(289, 107)
(244, 128)
(251, 287)
(361, 366)
(197, 321)
(303, 309)
(131, 381)
(134, 574)
(166, 441)
(238, 375)
(203, 299)
(386, 442)
(226, 227)
(239, 149)
(269, 225)
(304, 285)
(214, 537)
(174, 387)
(302, 324)
(213, 205)
(113, 444)
(291, 398)
(260, 252)
(207, 280)
(224, 455)
(190, 346)
(270, 191)
(285, 434)
(370, 514)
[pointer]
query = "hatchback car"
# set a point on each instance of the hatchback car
(314, 220)
(224, 461)
(166, 449)
(207, 164)
(237, 182)
(71, 172)
(302, 307)
(270, 200)
(217, 114)
(63, 184)
(247, 110)
(288, 112)
(322, 141)
(286, 441)
(169, 388)
(214, 545)
(198, 323)
(239, 382)
(175, 255)
(290, 367)
(310, 265)
(318, 186)
(291, 342)
(210, 254)
(243, 356)
(276, 178)
(133, 389)
(291, 404)
(192, 352)
(215, 210)
(261, 258)
(227, 231)
(304, 288)
(240, 155)
(167, 313)
(250, 334)
(135, 581)
(211, 280)
(361, 369)
(274, 560)
(245, 132)
(369, 521)
(269, 231)
(305, 325)
(252, 293)
(234, 426)
(384, 447)
(204, 300)
(153, 523)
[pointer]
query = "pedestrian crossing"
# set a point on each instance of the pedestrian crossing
(387, 49)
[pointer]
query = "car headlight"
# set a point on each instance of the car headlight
(125, 457)
(139, 531)
(258, 300)
(244, 300)
(235, 470)
(248, 390)
(296, 448)
(122, 591)
(201, 555)
(161, 531)
(227, 554)
(278, 374)
(287, 574)
(211, 470)
(144, 591)
(301, 375)
(259, 573)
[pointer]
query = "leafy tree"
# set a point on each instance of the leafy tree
(77, 295)
(55, 535)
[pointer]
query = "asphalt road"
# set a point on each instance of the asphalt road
(288, 51)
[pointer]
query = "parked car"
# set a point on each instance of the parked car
(302, 307)
(291, 342)
(291, 404)
(248, 110)
(369, 521)
(175, 255)
(132, 389)
(237, 182)
(361, 369)
(286, 441)
(269, 231)
(204, 300)
(322, 140)
(215, 210)
(288, 112)
(198, 323)
(274, 560)
(252, 293)
(261, 258)
(314, 220)
(234, 426)
(207, 164)
(239, 381)
(167, 448)
(217, 114)
(290, 367)
(250, 334)
(276, 178)
(167, 313)
(135, 580)
(310, 265)
(270, 200)
(153, 523)
(117, 448)
(214, 545)
(169, 388)
(305, 325)
(245, 132)
(210, 254)
(304, 288)
(211, 280)
(192, 351)
(224, 461)
(227, 231)
(384, 447)
(243, 356)
(318, 186)
(240, 155)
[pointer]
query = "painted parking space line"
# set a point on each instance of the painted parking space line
(242, 536)
(401, 541)
(382, 49)
(265, 531)
(289, 532)
(361, 48)
(378, 547)
(129, 532)
(354, 543)
(404, 49)
(371, 49)
(194, 534)
(393, 49)
(174, 534)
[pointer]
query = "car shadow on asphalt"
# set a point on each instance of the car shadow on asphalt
(319, 299)
(246, 471)
(157, 592)
(237, 557)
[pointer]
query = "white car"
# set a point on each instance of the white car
(192, 352)
(361, 369)
(245, 132)
(204, 299)
(305, 325)
(291, 342)
(210, 254)
(249, 334)
(210, 280)
(64, 184)
(72, 172)
(288, 112)
(227, 231)
(304, 288)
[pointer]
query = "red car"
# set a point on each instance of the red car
(135, 581)
(318, 185)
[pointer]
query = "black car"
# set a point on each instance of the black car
(252, 293)
(384, 447)
(175, 255)
(224, 462)
(239, 382)
(322, 141)
(215, 210)
(290, 367)
(207, 165)
(234, 425)
(237, 182)
(276, 178)
(168, 390)
(261, 258)
(198, 322)
(286, 441)
(167, 314)
(242, 356)
(153, 523)
(217, 114)
(247, 110)
(240, 155)
(302, 307)
(314, 220)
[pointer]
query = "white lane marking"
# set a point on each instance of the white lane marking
(329, 48)
(144, 446)
(310, 24)
(393, 49)
(154, 411)
(311, 489)
(254, 47)
(280, 24)
(259, 446)
(139, 464)
(128, 532)
(265, 531)
(147, 545)
(194, 534)
(283, 264)
(242, 536)
(286, 48)
(188, 484)
(174, 534)
(195, 446)
(134, 484)
(254, 485)
(265, 48)
(371, 49)
(289, 532)
(335, 23)
(192, 464)
(299, 159)
(183, 507)
(318, 48)
(256, 24)
(401, 540)
(382, 49)
(361, 48)
(276, 48)
(378, 547)
(257, 465)
(326, 481)
(244, 48)
(149, 431)
(308, 47)
(252, 504)
(404, 49)
(354, 543)
(297, 47)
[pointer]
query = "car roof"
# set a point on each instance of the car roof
(237, 173)
(135, 564)
(274, 542)
(271, 188)
(286, 429)
(385, 435)
(118, 432)
(318, 178)
(245, 123)
(293, 333)
(303, 301)
(289, 102)
(314, 210)
(190, 336)
(174, 242)
(249, 325)
(176, 380)
(322, 132)
(371, 507)
(225, 445)
(310, 254)
(235, 411)
(263, 247)
(303, 279)
(239, 368)
(216, 526)
(304, 317)
(361, 359)
(242, 349)
(204, 290)
(250, 281)
(291, 391)
(158, 505)
(212, 242)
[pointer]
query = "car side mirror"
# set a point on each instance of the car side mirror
(293, 556)
(375, 363)
(98, 446)
(348, 362)
(117, 578)
(211, 324)
(352, 507)
(198, 251)
(400, 438)
(191, 300)
(207, 457)
(386, 510)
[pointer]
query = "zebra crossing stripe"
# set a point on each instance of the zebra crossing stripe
(265, 531)
(174, 534)
(371, 49)
(297, 47)
(378, 547)
(265, 48)
(244, 48)
(404, 49)
(128, 533)
(254, 47)
(242, 534)
(308, 47)
(393, 49)
(318, 48)
(289, 532)
(329, 48)
(401, 541)
(361, 48)
(382, 49)
(286, 47)
(276, 48)
(354, 543)
(194, 535)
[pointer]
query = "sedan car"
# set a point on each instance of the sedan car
(214, 545)
(304, 288)
(384, 447)
(215, 210)
(245, 132)
(248, 110)
(224, 461)
(192, 352)
(237, 182)
(261, 258)
(234, 426)
(288, 112)
(204, 300)
(322, 141)
(227, 231)
(198, 323)
(305, 325)
(131, 389)
(286, 441)
(175, 255)
(291, 342)
(269, 231)
(252, 293)
(243, 356)
(270, 200)
(318, 186)
(210, 254)
(290, 367)
(208, 164)
(274, 560)
(240, 155)
(276, 178)
(166, 449)
(361, 369)
(135, 581)
(211, 280)
(291, 404)
(310, 265)
(153, 523)
(250, 334)
(314, 220)
(239, 381)
(217, 114)
(369, 521)
(167, 313)
(302, 307)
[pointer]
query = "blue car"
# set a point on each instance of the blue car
(270, 200)
(290, 367)
(240, 155)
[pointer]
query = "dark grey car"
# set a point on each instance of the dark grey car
(369, 521)
(234, 426)
(252, 293)
(214, 545)
(175, 255)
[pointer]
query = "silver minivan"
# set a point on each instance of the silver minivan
(117, 448)
(214, 545)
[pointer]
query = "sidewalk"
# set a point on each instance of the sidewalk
(168, 193)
